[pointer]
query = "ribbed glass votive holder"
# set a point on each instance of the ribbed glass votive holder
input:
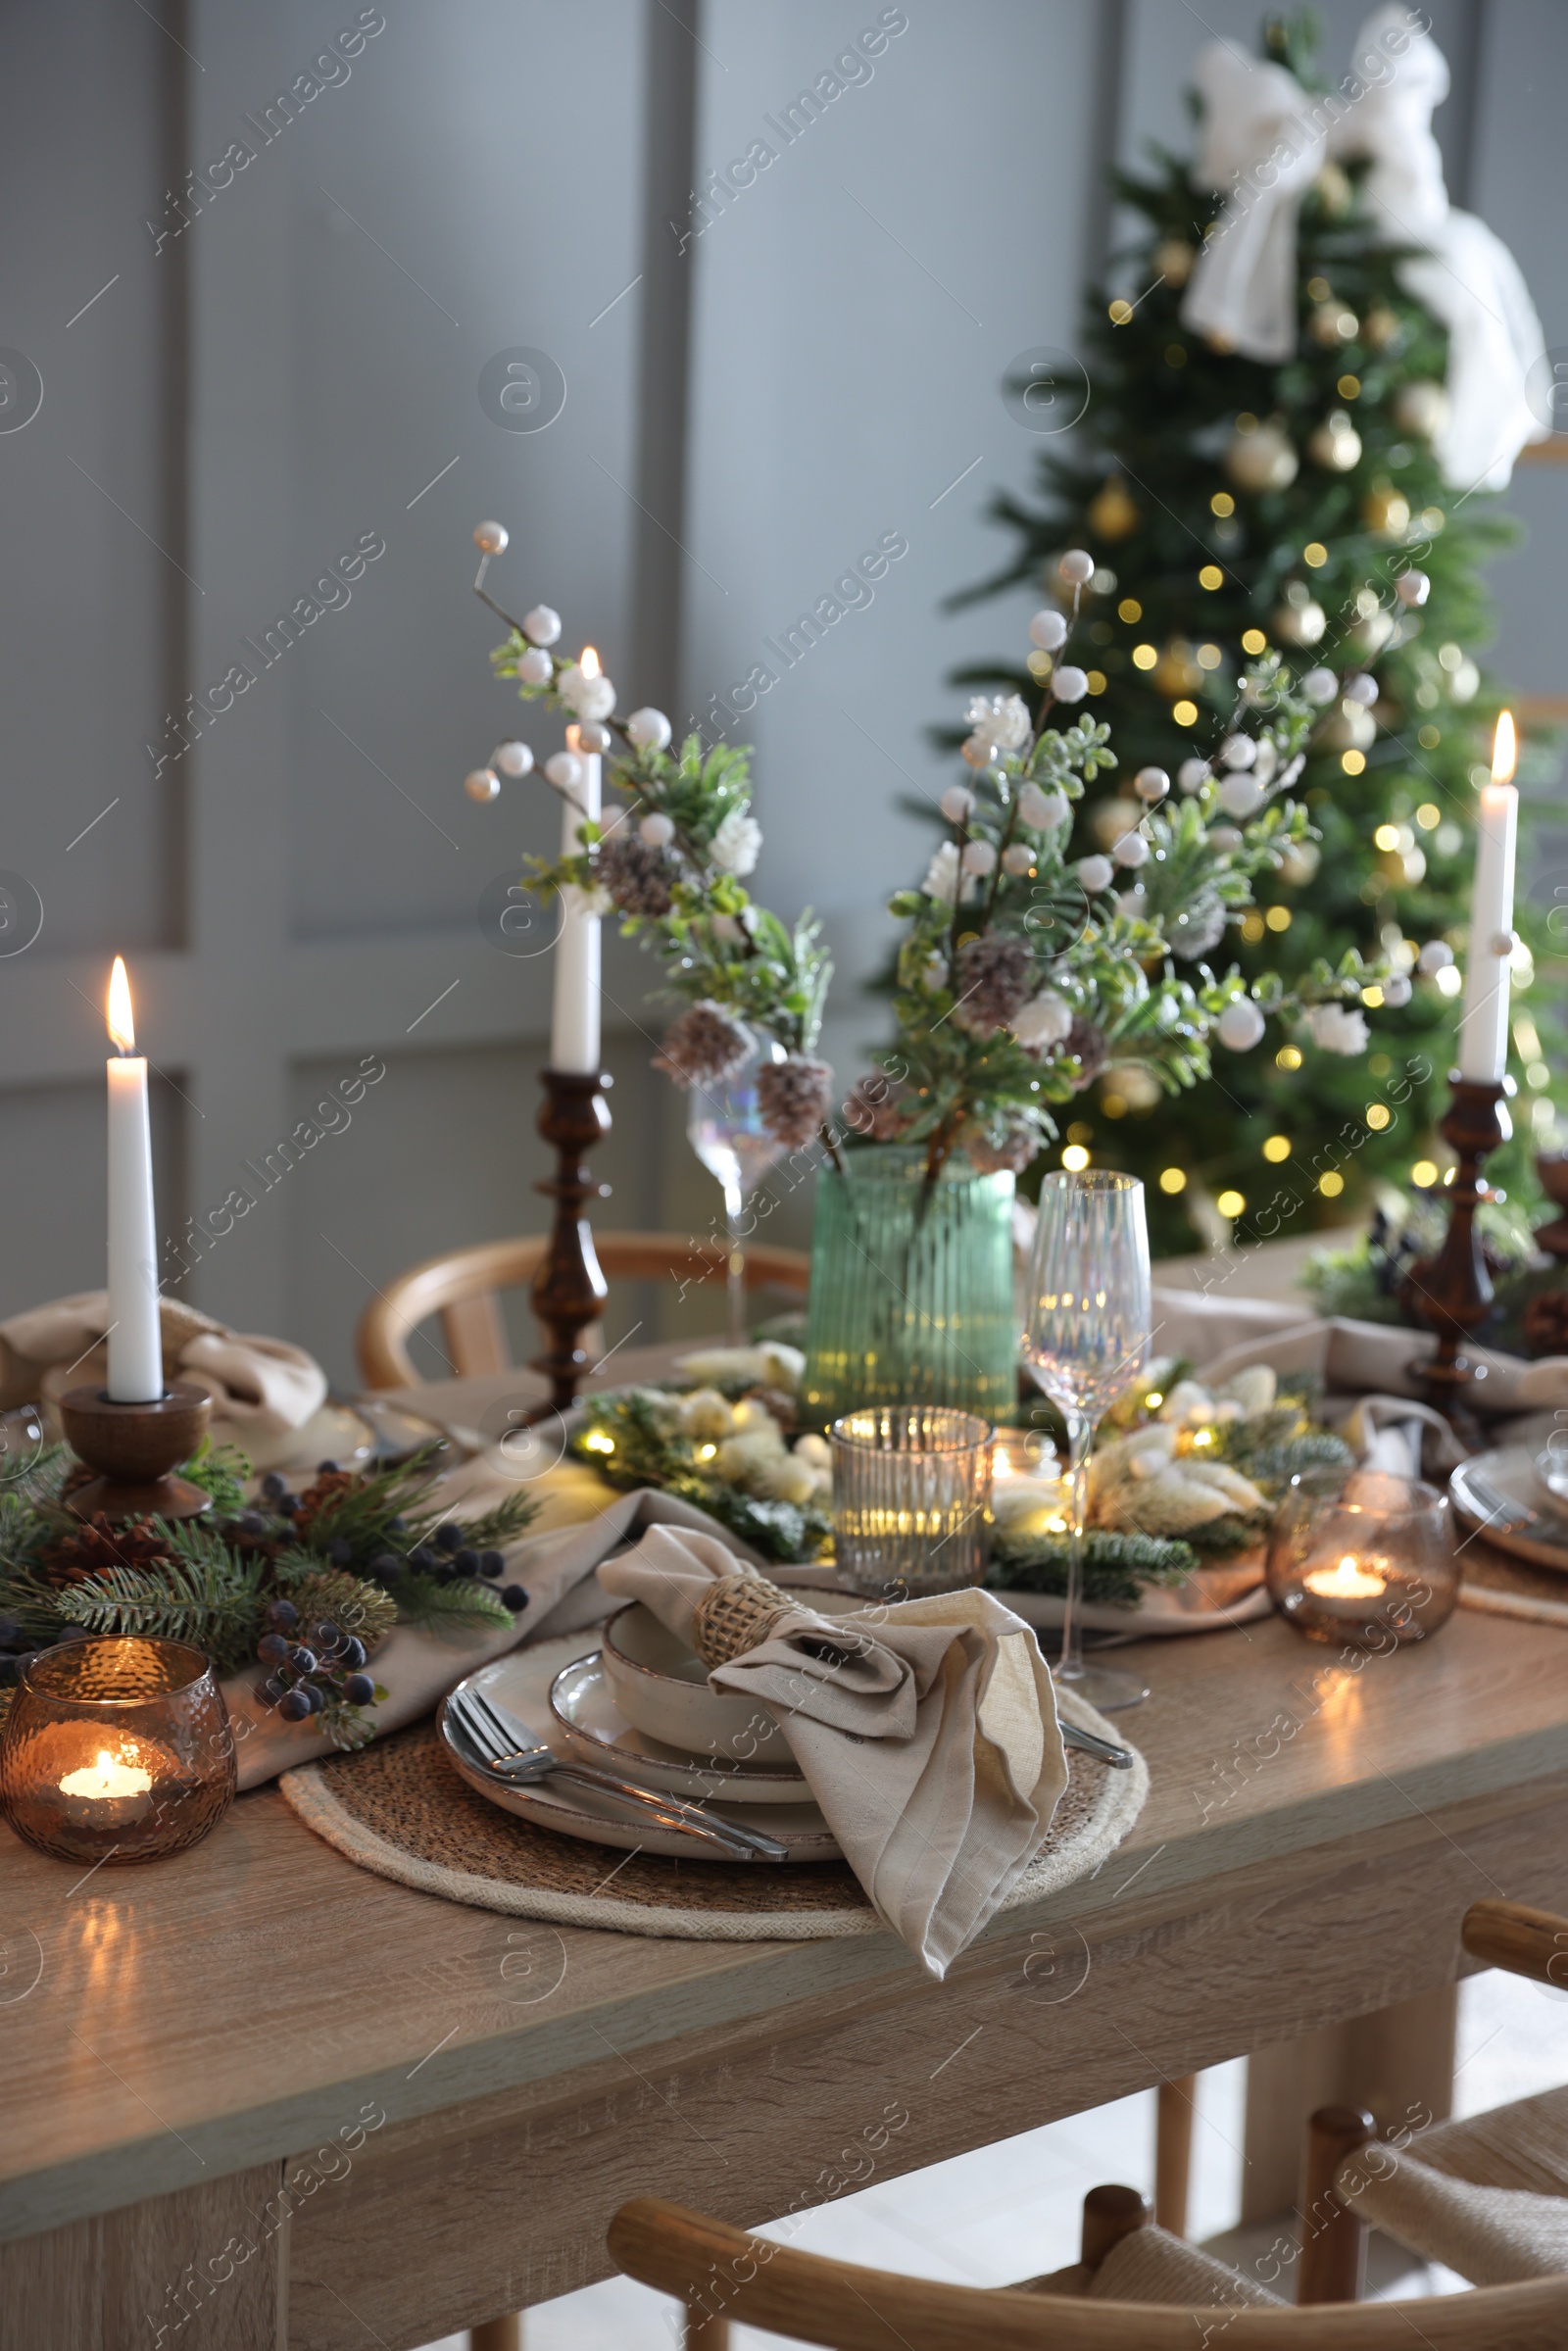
(117, 1750)
(911, 1487)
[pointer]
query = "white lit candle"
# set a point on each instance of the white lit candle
(574, 1024)
(108, 1794)
(135, 1345)
(1484, 1023)
(1352, 1579)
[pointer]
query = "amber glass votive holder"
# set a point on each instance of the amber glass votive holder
(117, 1750)
(912, 1489)
(1373, 1567)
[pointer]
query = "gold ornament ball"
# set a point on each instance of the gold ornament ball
(1331, 324)
(1174, 261)
(1300, 623)
(1262, 460)
(1385, 511)
(1112, 512)
(1421, 407)
(1335, 443)
(1381, 329)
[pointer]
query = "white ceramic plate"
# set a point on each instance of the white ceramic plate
(1511, 1470)
(1209, 1601)
(521, 1682)
(592, 1726)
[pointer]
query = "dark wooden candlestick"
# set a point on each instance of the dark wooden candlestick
(569, 1288)
(1452, 1292)
(134, 1448)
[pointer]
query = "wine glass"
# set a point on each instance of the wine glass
(725, 1129)
(1088, 1329)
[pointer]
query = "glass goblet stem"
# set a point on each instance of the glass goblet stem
(734, 1203)
(1080, 1437)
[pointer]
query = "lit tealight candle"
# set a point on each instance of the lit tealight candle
(107, 1792)
(1349, 1581)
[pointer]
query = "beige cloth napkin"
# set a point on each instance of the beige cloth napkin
(926, 1731)
(262, 1384)
(417, 1668)
(1223, 1335)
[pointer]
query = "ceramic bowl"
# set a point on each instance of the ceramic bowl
(661, 1687)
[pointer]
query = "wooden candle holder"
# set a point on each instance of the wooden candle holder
(569, 1290)
(134, 1448)
(1452, 1292)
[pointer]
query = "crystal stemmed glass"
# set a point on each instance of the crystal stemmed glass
(1085, 1340)
(725, 1129)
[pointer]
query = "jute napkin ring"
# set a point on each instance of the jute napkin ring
(737, 1613)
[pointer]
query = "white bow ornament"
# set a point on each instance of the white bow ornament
(1265, 139)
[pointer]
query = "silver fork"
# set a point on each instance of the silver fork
(508, 1747)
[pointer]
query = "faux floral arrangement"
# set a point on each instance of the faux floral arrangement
(1181, 1476)
(305, 1583)
(1022, 974)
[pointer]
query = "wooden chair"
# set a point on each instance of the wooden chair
(462, 1289)
(1135, 2288)
(1487, 2196)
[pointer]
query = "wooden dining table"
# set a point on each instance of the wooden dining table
(255, 2097)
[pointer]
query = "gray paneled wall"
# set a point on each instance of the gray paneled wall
(768, 381)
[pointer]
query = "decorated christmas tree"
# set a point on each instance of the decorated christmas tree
(1331, 502)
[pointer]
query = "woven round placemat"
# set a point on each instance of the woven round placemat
(401, 1809)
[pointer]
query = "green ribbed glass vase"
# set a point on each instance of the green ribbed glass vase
(911, 1287)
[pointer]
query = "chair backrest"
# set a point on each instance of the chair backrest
(462, 1288)
(722, 2273)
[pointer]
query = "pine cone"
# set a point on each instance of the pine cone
(1197, 930)
(1086, 1045)
(794, 1096)
(704, 1046)
(1008, 1154)
(323, 1493)
(1545, 1323)
(877, 1109)
(996, 973)
(635, 874)
(139, 1542)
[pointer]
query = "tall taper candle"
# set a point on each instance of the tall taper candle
(1484, 1022)
(575, 1023)
(135, 1345)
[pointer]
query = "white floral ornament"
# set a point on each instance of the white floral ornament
(534, 668)
(1238, 750)
(512, 758)
(978, 750)
(1241, 1025)
(1412, 587)
(942, 875)
(541, 626)
(565, 771)
(979, 857)
(737, 844)
(1360, 689)
(1151, 784)
(481, 784)
(1396, 990)
(1130, 850)
(1192, 775)
(1045, 1020)
(1436, 955)
(957, 803)
(1018, 858)
(1049, 630)
(658, 830)
(490, 538)
(1320, 685)
(1266, 760)
(1338, 1029)
(1003, 720)
(1094, 873)
(1077, 568)
(647, 729)
(1068, 683)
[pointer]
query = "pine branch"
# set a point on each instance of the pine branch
(205, 1594)
(458, 1606)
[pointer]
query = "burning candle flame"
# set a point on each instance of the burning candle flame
(1503, 749)
(589, 665)
(109, 1777)
(121, 1028)
(1349, 1581)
